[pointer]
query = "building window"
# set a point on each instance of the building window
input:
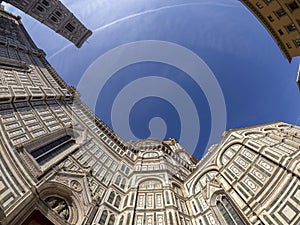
(195, 208)
(103, 218)
(170, 218)
(149, 220)
(70, 27)
(291, 27)
(125, 202)
(54, 19)
(128, 218)
(259, 5)
(229, 214)
(40, 8)
(46, 153)
(150, 200)
(141, 201)
(268, 1)
(288, 45)
(123, 183)
(111, 197)
(118, 180)
(158, 200)
(58, 13)
(270, 18)
(121, 220)
(292, 6)
(280, 32)
(280, 12)
(139, 220)
(118, 201)
(168, 197)
(160, 220)
(111, 220)
(45, 3)
(132, 199)
(297, 42)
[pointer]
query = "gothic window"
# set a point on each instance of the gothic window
(111, 197)
(228, 212)
(118, 201)
(128, 218)
(123, 183)
(125, 201)
(183, 206)
(170, 218)
(111, 220)
(121, 220)
(59, 206)
(177, 190)
(123, 167)
(118, 180)
(103, 217)
(47, 152)
(168, 197)
(132, 199)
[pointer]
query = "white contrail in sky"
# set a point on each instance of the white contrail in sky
(157, 10)
(144, 13)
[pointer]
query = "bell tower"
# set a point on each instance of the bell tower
(56, 16)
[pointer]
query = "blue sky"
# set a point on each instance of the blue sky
(257, 83)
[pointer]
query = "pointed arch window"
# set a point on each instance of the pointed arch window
(47, 152)
(111, 220)
(118, 201)
(118, 180)
(123, 183)
(111, 197)
(228, 212)
(125, 201)
(103, 217)
(121, 220)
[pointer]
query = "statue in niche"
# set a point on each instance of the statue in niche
(59, 206)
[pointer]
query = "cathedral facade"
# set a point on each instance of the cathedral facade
(60, 164)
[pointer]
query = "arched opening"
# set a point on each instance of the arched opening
(37, 218)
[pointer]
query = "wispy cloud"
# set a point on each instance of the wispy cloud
(150, 11)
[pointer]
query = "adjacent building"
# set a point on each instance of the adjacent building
(282, 20)
(60, 164)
